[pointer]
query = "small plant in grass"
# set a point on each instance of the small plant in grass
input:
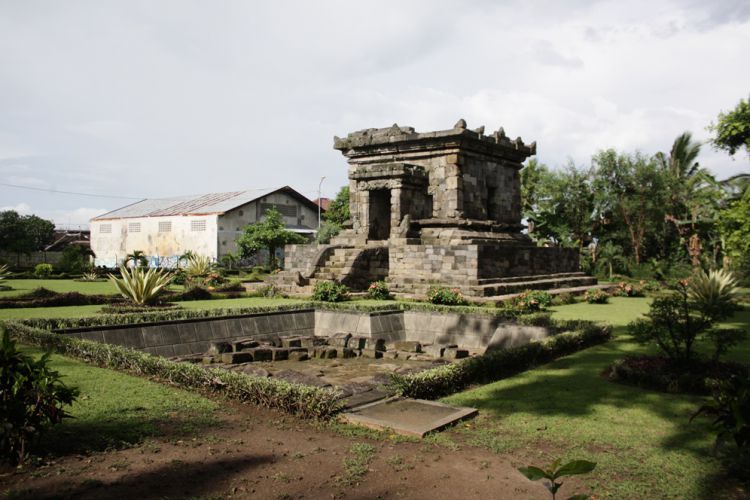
(554, 472)
(564, 299)
(32, 399)
(378, 290)
(357, 464)
(446, 296)
(330, 291)
(596, 296)
(531, 301)
(141, 286)
(90, 277)
(43, 270)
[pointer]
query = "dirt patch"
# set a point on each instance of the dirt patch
(263, 454)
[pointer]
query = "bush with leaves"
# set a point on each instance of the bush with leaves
(596, 296)
(531, 301)
(42, 270)
(378, 290)
(554, 472)
(731, 411)
(330, 291)
(446, 296)
(32, 399)
(270, 234)
(141, 286)
(675, 322)
(625, 289)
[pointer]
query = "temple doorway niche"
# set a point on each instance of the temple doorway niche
(380, 215)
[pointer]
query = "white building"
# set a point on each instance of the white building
(209, 224)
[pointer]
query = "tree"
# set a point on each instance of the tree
(138, 258)
(732, 130)
(734, 228)
(75, 259)
(24, 234)
(338, 210)
(632, 189)
(270, 233)
(609, 254)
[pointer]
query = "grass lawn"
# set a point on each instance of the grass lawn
(115, 409)
(642, 440)
(61, 286)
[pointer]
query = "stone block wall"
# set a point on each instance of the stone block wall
(504, 261)
(388, 325)
(449, 265)
(183, 337)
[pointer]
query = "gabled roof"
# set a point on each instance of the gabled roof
(204, 204)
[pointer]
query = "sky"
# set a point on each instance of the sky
(127, 100)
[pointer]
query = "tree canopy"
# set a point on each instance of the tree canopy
(23, 234)
(270, 234)
(732, 129)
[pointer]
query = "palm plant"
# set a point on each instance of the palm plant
(610, 255)
(138, 258)
(3, 271)
(713, 293)
(185, 257)
(140, 285)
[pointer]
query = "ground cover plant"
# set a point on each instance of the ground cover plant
(643, 442)
(378, 290)
(140, 286)
(330, 291)
(442, 295)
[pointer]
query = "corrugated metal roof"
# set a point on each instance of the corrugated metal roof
(212, 203)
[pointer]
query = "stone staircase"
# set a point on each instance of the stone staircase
(517, 284)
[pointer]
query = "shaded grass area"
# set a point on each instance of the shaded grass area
(116, 410)
(21, 287)
(642, 440)
(83, 311)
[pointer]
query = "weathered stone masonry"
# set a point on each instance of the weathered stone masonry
(439, 207)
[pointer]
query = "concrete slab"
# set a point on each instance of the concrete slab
(408, 417)
(363, 398)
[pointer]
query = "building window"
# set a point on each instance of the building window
(165, 227)
(241, 213)
(285, 210)
(197, 225)
(105, 228)
(224, 243)
(134, 227)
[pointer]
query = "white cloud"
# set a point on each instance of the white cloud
(157, 99)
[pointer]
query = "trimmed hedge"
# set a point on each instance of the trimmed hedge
(495, 365)
(41, 297)
(301, 400)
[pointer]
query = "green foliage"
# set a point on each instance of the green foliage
(75, 259)
(498, 364)
(3, 271)
(731, 411)
(446, 296)
(531, 301)
(328, 230)
(338, 210)
(270, 233)
(23, 234)
(675, 322)
(301, 400)
(330, 291)
(138, 258)
(625, 289)
(141, 286)
(734, 228)
(42, 270)
(596, 296)
(556, 471)
(32, 399)
(378, 290)
(610, 256)
(198, 266)
(732, 130)
(90, 277)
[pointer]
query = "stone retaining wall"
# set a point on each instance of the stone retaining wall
(183, 337)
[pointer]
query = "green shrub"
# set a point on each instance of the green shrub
(731, 412)
(194, 293)
(330, 291)
(675, 322)
(596, 296)
(297, 399)
(378, 290)
(446, 296)
(494, 365)
(564, 299)
(625, 289)
(42, 270)
(714, 294)
(141, 286)
(531, 301)
(32, 399)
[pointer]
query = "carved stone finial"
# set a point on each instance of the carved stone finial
(460, 124)
(500, 134)
(479, 130)
(396, 128)
(532, 147)
(518, 142)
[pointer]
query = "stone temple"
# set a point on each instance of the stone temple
(433, 208)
